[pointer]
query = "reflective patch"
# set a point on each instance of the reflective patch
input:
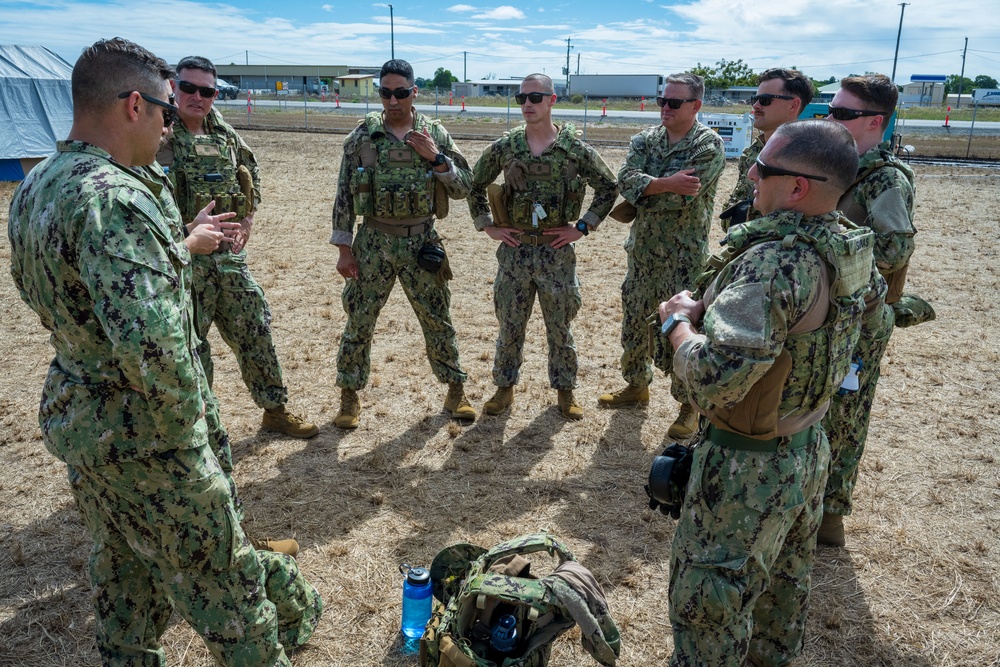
(738, 317)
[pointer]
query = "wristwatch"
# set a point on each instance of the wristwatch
(582, 227)
(438, 160)
(672, 323)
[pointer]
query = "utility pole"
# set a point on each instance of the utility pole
(578, 62)
(961, 77)
(902, 9)
(566, 71)
(392, 36)
(465, 66)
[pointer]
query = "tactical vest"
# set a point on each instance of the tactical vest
(896, 280)
(204, 169)
(553, 182)
(814, 361)
(393, 181)
(477, 587)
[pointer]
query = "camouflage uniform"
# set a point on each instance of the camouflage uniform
(772, 353)
(224, 291)
(743, 192)
(882, 200)
(95, 255)
(668, 243)
(384, 257)
(530, 268)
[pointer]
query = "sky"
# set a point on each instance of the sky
(821, 38)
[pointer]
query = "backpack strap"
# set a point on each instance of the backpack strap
(526, 544)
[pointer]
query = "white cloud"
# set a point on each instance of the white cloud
(327, 8)
(503, 13)
(461, 8)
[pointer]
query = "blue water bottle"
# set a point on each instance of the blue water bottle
(417, 597)
(503, 634)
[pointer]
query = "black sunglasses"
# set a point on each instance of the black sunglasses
(398, 93)
(205, 91)
(536, 98)
(843, 113)
(765, 171)
(169, 110)
(673, 102)
(765, 99)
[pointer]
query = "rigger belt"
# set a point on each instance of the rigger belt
(414, 229)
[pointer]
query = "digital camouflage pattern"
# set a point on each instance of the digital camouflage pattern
(371, 132)
(743, 192)
(883, 200)
(529, 270)
(744, 546)
(224, 290)
(96, 253)
(668, 244)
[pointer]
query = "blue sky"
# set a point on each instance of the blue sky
(828, 38)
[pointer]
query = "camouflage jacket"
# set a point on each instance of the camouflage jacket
(744, 187)
(95, 253)
(181, 142)
(760, 302)
(456, 180)
(590, 168)
(668, 224)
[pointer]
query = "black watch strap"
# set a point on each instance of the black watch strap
(582, 227)
(439, 159)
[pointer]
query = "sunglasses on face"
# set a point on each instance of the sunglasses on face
(536, 98)
(169, 110)
(766, 171)
(206, 92)
(673, 102)
(765, 99)
(843, 113)
(398, 93)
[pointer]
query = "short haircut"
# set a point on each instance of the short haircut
(695, 83)
(543, 79)
(397, 66)
(197, 62)
(876, 91)
(821, 147)
(795, 82)
(112, 66)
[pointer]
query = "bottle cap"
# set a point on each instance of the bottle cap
(416, 576)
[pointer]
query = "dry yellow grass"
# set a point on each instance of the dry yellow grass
(917, 585)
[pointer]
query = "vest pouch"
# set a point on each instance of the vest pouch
(240, 208)
(421, 203)
(382, 204)
(401, 207)
(441, 202)
(361, 191)
(521, 206)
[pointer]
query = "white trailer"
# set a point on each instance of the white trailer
(617, 85)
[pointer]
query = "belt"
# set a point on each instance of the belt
(415, 229)
(744, 443)
(534, 238)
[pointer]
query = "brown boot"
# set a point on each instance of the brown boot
(457, 404)
(623, 398)
(831, 531)
(502, 399)
(281, 420)
(350, 409)
(686, 423)
(288, 547)
(568, 406)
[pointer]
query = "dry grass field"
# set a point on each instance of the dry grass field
(917, 585)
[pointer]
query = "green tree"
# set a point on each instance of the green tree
(951, 84)
(725, 74)
(443, 79)
(983, 81)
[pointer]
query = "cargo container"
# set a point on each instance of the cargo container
(617, 85)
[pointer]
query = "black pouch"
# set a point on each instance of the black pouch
(737, 213)
(431, 257)
(668, 478)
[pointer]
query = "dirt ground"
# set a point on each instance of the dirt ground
(917, 584)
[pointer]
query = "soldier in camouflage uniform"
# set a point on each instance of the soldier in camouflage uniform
(782, 95)
(779, 319)
(880, 197)
(398, 172)
(203, 156)
(95, 252)
(537, 220)
(670, 175)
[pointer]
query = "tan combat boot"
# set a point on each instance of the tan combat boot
(568, 406)
(502, 399)
(350, 408)
(831, 531)
(623, 398)
(457, 404)
(281, 420)
(288, 547)
(686, 423)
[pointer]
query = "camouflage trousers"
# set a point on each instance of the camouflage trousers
(165, 538)
(648, 283)
(743, 554)
(382, 259)
(225, 293)
(846, 423)
(527, 271)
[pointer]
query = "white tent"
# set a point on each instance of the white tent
(36, 107)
